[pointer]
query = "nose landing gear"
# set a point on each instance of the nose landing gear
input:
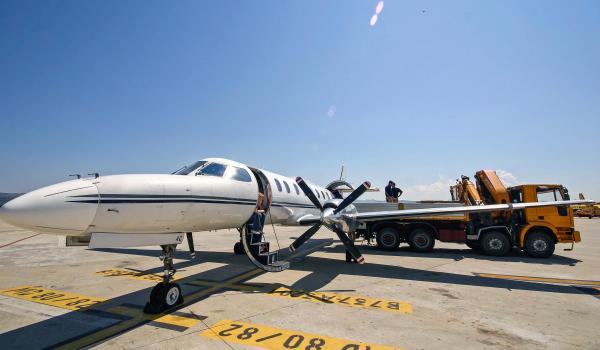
(166, 294)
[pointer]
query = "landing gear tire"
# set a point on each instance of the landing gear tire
(421, 240)
(164, 297)
(495, 243)
(388, 238)
(238, 248)
(539, 245)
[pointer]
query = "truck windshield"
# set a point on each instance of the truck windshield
(189, 168)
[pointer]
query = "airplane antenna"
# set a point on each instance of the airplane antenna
(342, 173)
(76, 175)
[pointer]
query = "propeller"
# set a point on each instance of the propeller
(330, 219)
(353, 196)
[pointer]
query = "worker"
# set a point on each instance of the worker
(392, 192)
(258, 217)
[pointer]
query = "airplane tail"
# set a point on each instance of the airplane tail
(581, 196)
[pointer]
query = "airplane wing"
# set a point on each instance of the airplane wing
(392, 214)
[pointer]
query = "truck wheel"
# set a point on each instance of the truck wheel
(495, 243)
(388, 238)
(421, 240)
(539, 245)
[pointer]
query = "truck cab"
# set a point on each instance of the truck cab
(555, 222)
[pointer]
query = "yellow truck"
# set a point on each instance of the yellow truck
(534, 230)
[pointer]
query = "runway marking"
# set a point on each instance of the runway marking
(345, 300)
(139, 275)
(234, 286)
(320, 297)
(540, 279)
(281, 339)
(124, 326)
(142, 318)
(19, 240)
(40, 295)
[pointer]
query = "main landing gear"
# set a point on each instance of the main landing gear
(166, 294)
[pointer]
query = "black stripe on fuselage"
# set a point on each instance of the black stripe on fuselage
(153, 199)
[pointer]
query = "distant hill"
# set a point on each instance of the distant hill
(5, 197)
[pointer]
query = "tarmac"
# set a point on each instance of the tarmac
(54, 296)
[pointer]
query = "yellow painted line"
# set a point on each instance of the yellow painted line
(133, 274)
(540, 279)
(345, 300)
(281, 339)
(135, 321)
(243, 287)
(52, 297)
(175, 320)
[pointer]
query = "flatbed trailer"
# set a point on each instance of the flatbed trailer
(419, 232)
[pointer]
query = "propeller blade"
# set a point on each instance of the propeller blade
(305, 237)
(190, 239)
(350, 247)
(309, 193)
(353, 196)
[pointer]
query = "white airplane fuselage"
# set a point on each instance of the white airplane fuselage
(159, 203)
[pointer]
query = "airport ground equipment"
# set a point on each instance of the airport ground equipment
(535, 230)
(586, 211)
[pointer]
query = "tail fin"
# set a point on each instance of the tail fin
(581, 196)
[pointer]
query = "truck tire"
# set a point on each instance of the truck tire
(495, 243)
(388, 238)
(421, 239)
(539, 245)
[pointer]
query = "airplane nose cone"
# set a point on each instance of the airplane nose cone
(66, 208)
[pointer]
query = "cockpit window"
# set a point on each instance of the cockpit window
(212, 169)
(240, 174)
(189, 168)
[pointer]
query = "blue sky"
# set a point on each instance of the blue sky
(302, 87)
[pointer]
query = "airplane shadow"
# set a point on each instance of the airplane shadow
(55, 330)
(460, 253)
(328, 269)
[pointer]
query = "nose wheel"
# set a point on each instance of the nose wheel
(166, 294)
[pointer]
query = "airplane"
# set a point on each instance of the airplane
(214, 193)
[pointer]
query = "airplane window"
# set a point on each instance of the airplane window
(287, 187)
(189, 168)
(323, 194)
(240, 174)
(278, 185)
(318, 195)
(213, 169)
(297, 190)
